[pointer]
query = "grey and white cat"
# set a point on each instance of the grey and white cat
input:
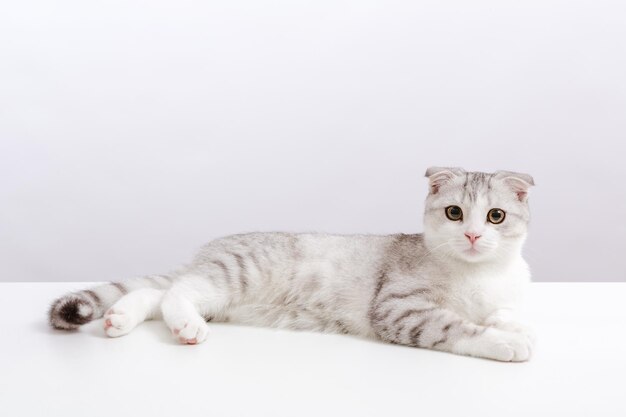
(454, 288)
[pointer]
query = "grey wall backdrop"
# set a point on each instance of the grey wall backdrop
(133, 131)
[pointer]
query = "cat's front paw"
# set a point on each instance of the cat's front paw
(507, 346)
(515, 327)
(190, 331)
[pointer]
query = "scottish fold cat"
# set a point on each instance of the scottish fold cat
(456, 287)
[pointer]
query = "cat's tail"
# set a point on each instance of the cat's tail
(77, 308)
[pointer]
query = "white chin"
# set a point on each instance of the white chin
(472, 255)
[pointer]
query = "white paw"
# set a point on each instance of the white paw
(515, 327)
(190, 330)
(507, 346)
(118, 322)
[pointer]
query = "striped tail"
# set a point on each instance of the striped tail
(77, 308)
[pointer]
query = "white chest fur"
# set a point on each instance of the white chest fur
(478, 292)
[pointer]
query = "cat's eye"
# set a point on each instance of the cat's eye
(496, 216)
(454, 213)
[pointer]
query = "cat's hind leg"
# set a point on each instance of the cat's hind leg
(132, 309)
(183, 319)
(188, 301)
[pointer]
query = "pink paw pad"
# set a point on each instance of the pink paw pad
(107, 324)
(177, 331)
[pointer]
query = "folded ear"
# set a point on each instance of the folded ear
(438, 176)
(519, 183)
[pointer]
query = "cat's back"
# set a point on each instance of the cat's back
(312, 247)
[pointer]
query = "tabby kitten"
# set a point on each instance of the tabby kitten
(454, 288)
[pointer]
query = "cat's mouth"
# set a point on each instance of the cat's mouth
(472, 251)
(472, 254)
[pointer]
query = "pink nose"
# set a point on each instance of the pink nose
(473, 237)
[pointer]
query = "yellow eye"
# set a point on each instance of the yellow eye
(496, 216)
(454, 213)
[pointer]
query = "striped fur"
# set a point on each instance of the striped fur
(432, 290)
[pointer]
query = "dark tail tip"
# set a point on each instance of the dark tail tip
(69, 312)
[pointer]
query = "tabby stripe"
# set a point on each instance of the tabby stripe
(224, 270)
(399, 331)
(243, 278)
(440, 341)
(415, 337)
(342, 326)
(449, 325)
(382, 280)
(417, 330)
(255, 261)
(476, 331)
(393, 296)
(94, 297)
(120, 287)
(378, 317)
(465, 186)
(411, 312)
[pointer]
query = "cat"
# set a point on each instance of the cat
(454, 288)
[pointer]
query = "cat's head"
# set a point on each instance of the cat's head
(474, 216)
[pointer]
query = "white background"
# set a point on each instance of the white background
(133, 131)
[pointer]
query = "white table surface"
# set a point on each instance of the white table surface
(579, 368)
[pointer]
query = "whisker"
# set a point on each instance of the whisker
(419, 262)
